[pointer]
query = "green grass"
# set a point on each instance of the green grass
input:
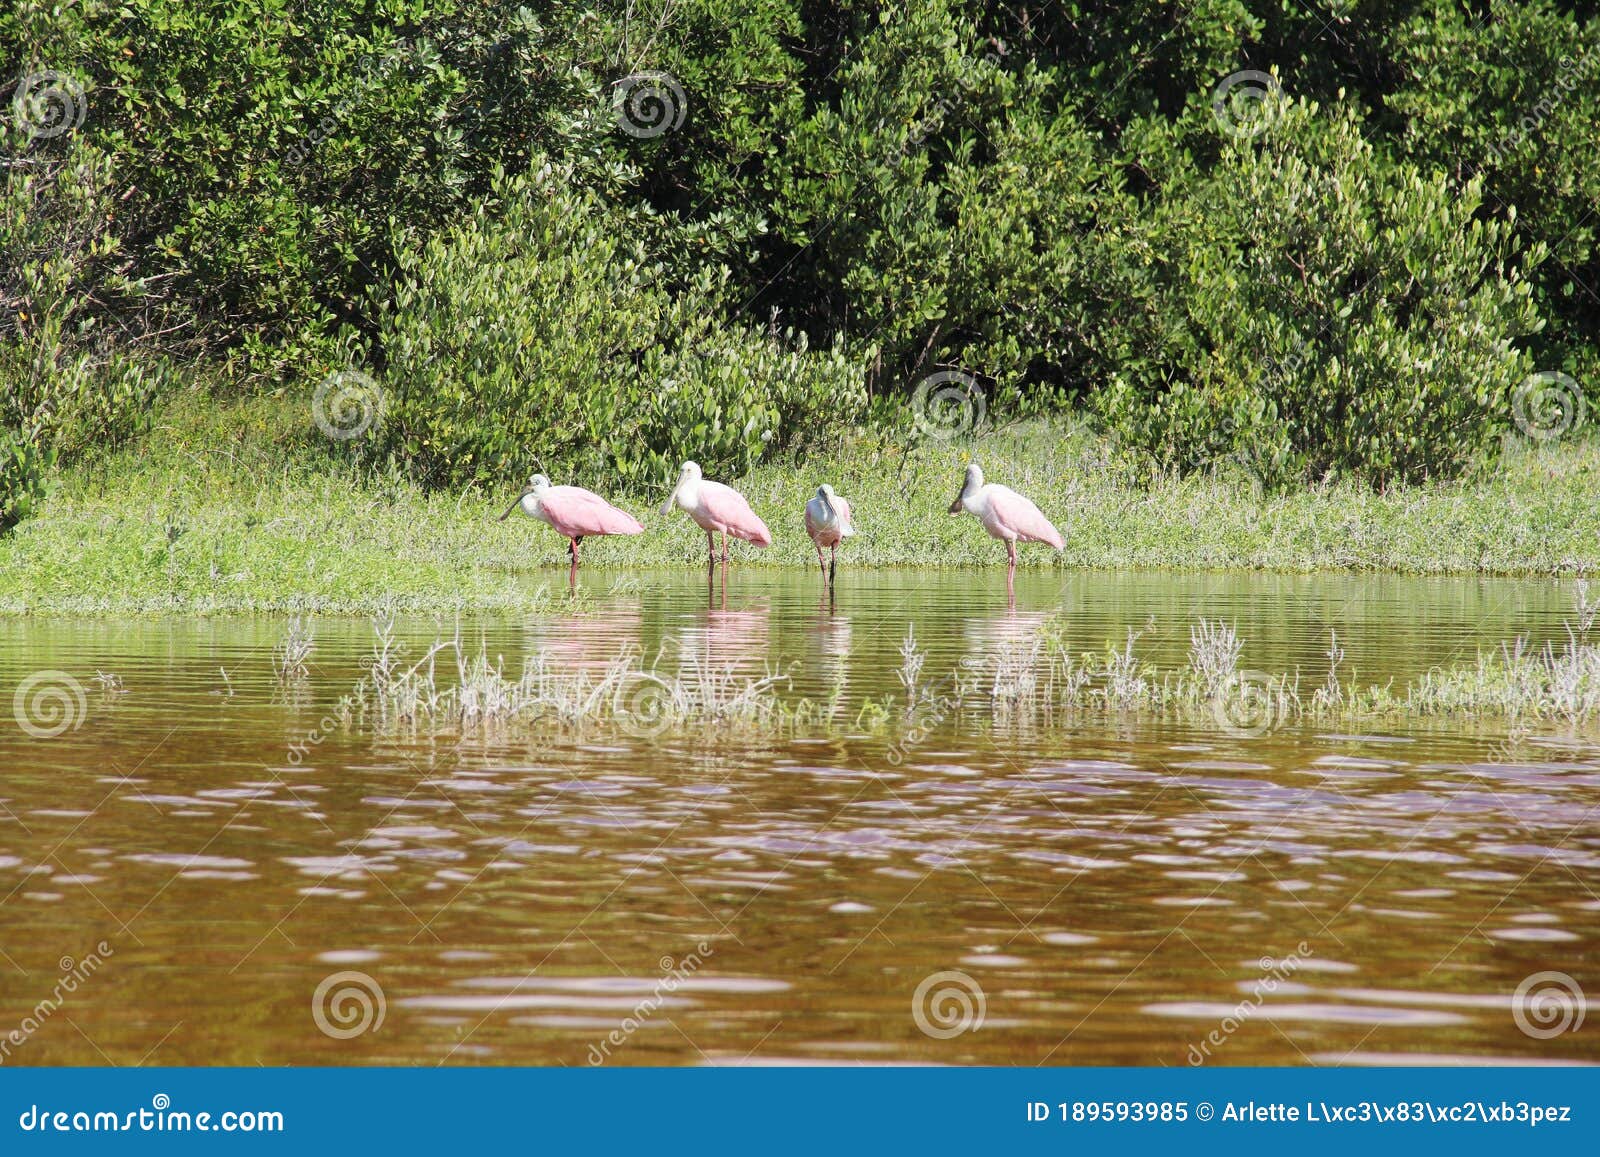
(237, 507)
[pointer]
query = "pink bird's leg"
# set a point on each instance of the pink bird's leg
(573, 550)
(711, 548)
(724, 546)
(572, 578)
(1011, 553)
(833, 562)
(822, 566)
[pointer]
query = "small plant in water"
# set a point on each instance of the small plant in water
(1330, 695)
(1126, 687)
(1583, 608)
(1213, 655)
(292, 656)
(912, 659)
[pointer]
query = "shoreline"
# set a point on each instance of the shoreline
(239, 509)
(547, 590)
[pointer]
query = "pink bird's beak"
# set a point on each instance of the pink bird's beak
(514, 505)
(955, 507)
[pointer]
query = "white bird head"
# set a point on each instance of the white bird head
(535, 484)
(689, 475)
(972, 483)
(830, 502)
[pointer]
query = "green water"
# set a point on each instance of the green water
(1110, 891)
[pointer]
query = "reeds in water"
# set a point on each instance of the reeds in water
(1042, 679)
(291, 657)
(452, 687)
(1028, 683)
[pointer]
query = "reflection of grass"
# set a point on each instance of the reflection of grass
(241, 507)
(451, 688)
(1028, 685)
(1043, 681)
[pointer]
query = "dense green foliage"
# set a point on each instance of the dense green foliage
(65, 389)
(537, 322)
(1319, 312)
(540, 257)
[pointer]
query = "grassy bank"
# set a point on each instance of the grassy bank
(244, 508)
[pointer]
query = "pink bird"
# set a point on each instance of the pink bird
(716, 508)
(1004, 513)
(828, 523)
(573, 511)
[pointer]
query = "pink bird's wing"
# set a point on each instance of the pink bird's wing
(728, 509)
(575, 511)
(1023, 519)
(842, 508)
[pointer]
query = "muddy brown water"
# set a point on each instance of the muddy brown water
(198, 870)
